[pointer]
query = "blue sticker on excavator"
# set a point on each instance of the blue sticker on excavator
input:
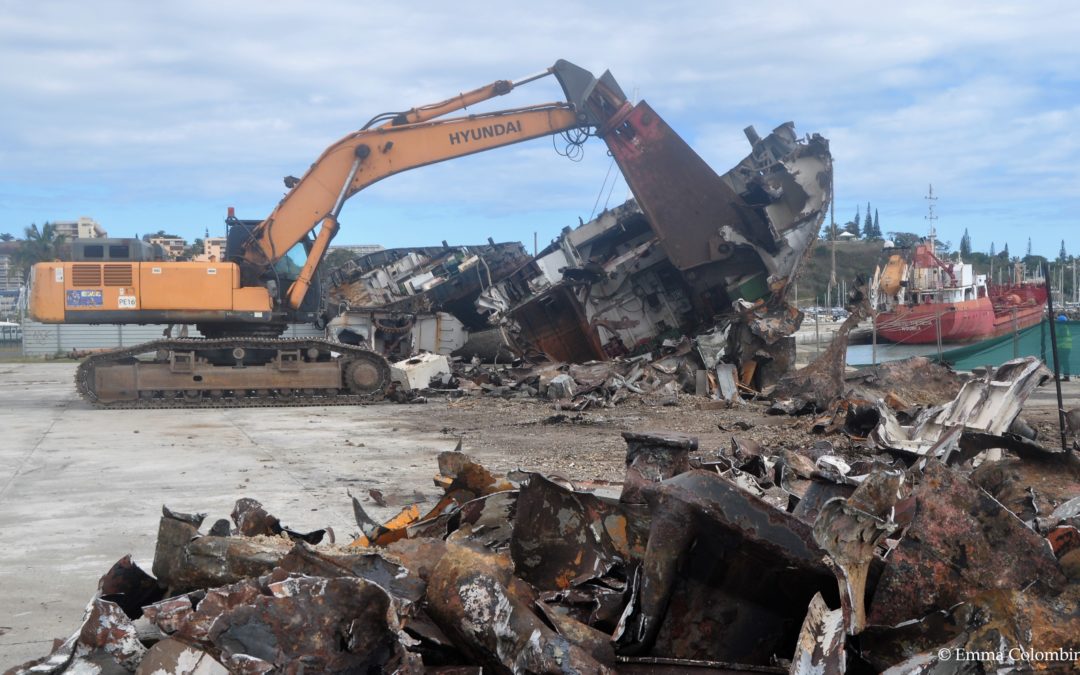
(84, 298)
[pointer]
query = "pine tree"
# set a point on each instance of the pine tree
(992, 252)
(1063, 255)
(868, 225)
(965, 245)
(1005, 251)
(877, 226)
(1029, 246)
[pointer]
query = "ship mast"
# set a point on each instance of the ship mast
(832, 235)
(930, 199)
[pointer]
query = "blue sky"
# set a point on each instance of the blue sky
(152, 116)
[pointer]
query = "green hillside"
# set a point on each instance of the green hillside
(852, 258)
(860, 257)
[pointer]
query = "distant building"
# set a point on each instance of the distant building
(213, 250)
(9, 303)
(359, 249)
(172, 246)
(83, 228)
(9, 278)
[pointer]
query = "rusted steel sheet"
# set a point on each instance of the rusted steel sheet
(653, 457)
(961, 541)
(204, 608)
(817, 493)
(726, 576)
(563, 538)
(106, 642)
(703, 219)
(309, 624)
(477, 602)
(467, 474)
(172, 657)
(396, 579)
(712, 500)
(598, 604)
(555, 323)
(252, 520)
(170, 615)
(184, 560)
(676, 188)
(1063, 539)
(130, 587)
(819, 384)
(598, 644)
(849, 529)
(487, 522)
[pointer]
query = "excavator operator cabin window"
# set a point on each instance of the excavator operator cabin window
(119, 252)
(291, 263)
(94, 251)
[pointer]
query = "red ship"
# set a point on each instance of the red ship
(930, 300)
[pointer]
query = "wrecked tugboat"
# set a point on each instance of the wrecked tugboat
(620, 284)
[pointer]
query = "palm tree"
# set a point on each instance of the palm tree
(37, 246)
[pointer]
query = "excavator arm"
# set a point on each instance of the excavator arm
(415, 138)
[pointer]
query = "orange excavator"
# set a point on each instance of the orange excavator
(268, 278)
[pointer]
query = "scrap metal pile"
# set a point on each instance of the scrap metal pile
(945, 533)
(402, 300)
(697, 251)
(662, 375)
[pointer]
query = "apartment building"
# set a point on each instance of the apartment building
(172, 246)
(213, 250)
(83, 228)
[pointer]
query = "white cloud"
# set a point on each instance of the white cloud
(170, 104)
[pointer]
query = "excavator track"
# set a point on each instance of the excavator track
(301, 372)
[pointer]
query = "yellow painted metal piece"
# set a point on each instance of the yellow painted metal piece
(47, 292)
(392, 530)
(188, 285)
(891, 277)
(252, 299)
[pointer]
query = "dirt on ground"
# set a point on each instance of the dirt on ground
(588, 445)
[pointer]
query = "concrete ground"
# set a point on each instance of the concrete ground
(80, 487)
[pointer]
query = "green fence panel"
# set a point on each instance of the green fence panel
(1034, 341)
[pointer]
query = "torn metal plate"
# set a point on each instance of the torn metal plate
(960, 541)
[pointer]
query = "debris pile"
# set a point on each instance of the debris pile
(403, 300)
(590, 384)
(661, 375)
(697, 251)
(894, 556)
